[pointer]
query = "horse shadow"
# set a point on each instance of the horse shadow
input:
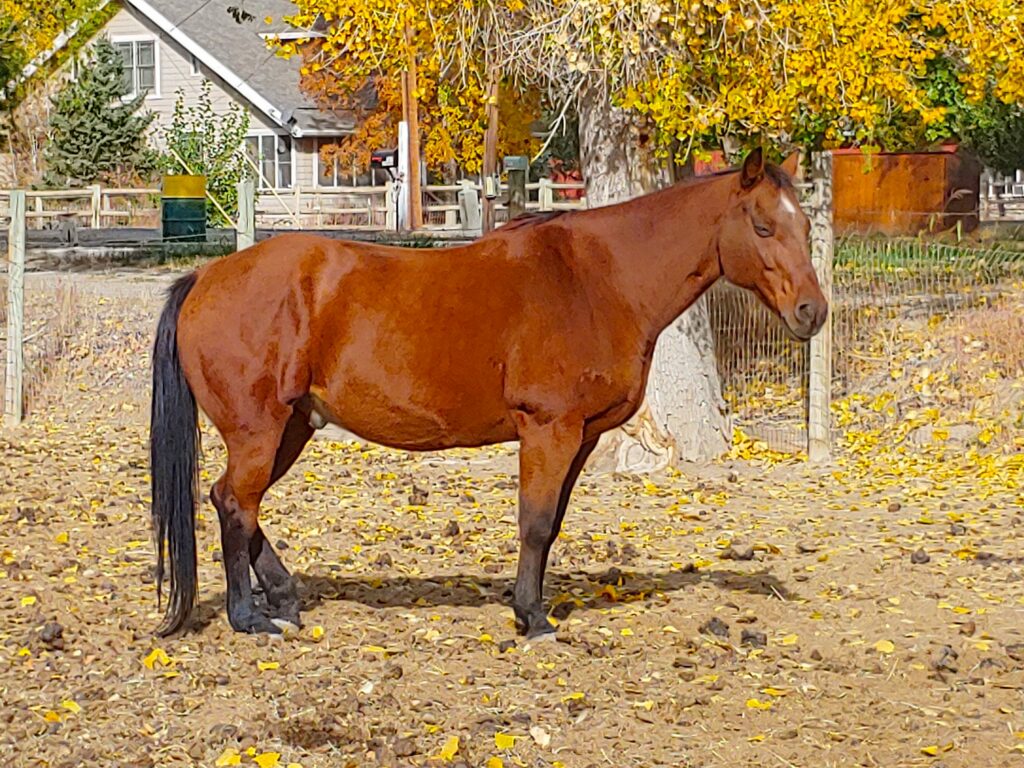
(475, 591)
(468, 590)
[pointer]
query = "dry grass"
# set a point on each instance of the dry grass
(51, 316)
(1000, 330)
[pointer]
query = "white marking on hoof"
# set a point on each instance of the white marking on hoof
(286, 627)
(317, 420)
(547, 637)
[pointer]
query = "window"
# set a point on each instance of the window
(331, 174)
(139, 57)
(327, 172)
(273, 156)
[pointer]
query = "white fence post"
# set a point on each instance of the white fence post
(469, 206)
(545, 195)
(97, 205)
(392, 204)
(14, 389)
(245, 229)
(819, 434)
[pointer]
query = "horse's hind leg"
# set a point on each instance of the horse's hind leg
(277, 583)
(237, 508)
(253, 457)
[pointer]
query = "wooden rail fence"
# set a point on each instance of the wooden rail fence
(357, 208)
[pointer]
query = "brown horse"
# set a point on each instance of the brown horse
(541, 332)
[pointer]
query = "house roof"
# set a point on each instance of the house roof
(207, 29)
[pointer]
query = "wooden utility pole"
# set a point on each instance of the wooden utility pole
(411, 115)
(490, 168)
(14, 389)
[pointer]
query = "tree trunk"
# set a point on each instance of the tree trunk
(683, 416)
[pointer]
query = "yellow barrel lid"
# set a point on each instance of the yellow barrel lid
(184, 186)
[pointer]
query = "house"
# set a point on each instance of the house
(175, 45)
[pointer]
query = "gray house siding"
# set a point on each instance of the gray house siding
(178, 71)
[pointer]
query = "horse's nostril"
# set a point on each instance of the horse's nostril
(805, 312)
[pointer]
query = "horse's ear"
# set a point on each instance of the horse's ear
(792, 163)
(753, 169)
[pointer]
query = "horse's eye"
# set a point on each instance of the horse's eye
(763, 231)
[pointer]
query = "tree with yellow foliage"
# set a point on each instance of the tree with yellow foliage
(649, 78)
(653, 77)
(358, 63)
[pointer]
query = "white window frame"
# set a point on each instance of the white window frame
(317, 164)
(155, 92)
(277, 171)
(339, 176)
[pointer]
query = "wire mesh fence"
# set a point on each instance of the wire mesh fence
(51, 313)
(880, 287)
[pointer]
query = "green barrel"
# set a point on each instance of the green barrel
(183, 209)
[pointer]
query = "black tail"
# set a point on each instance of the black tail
(174, 464)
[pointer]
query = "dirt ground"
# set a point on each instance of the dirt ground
(754, 612)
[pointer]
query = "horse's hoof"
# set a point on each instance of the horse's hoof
(542, 637)
(287, 627)
(255, 624)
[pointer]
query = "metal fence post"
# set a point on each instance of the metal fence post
(245, 230)
(819, 390)
(14, 389)
(518, 169)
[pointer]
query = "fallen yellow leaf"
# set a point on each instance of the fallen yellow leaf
(755, 704)
(71, 706)
(27, 601)
(267, 759)
(156, 656)
(495, 762)
(790, 640)
(229, 756)
(265, 665)
(504, 740)
(450, 748)
(885, 646)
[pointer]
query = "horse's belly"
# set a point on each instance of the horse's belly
(408, 423)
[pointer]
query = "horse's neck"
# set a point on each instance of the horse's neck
(663, 248)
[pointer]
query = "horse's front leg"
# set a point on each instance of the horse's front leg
(547, 456)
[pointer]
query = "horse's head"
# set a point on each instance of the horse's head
(763, 245)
